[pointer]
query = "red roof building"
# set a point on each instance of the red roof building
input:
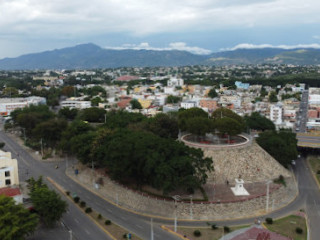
(127, 78)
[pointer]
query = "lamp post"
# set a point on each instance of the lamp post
(191, 213)
(267, 195)
(176, 198)
(151, 237)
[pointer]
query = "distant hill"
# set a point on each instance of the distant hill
(88, 56)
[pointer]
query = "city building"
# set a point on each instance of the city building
(75, 104)
(7, 105)
(9, 178)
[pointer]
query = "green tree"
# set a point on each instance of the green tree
(199, 126)
(185, 115)
(68, 91)
(95, 101)
(224, 112)
(273, 97)
(280, 145)
(135, 104)
(164, 125)
(92, 114)
(173, 99)
(263, 92)
(48, 204)
(68, 113)
(163, 163)
(212, 93)
(258, 122)
(227, 125)
(77, 127)
(50, 131)
(16, 222)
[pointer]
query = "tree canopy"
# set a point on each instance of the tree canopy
(47, 203)
(280, 145)
(144, 158)
(16, 221)
(258, 122)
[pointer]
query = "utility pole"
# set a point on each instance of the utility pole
(92, 166)
(24, 135)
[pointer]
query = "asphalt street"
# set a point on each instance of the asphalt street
(82, 227)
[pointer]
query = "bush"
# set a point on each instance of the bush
(108, 222)
(269, 220)
(299, 230)
(318, 172)
(76, 199)
(214, 226)
(82, 204)
(68, 193)
(88, 210)
(124, 236)
(226, 229)
(197, 233)
(99, 216)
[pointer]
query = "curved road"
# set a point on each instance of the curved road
(83, 228)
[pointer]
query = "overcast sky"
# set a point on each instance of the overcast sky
(199, 26)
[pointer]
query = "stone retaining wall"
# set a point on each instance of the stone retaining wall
(144, 204)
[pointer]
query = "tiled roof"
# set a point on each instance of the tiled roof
(10, 192)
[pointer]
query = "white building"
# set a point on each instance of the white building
(7, 105)
(75, 104)
(314, 96)
(188, 104)
(175, 82)
(276, 113)
(8, 170)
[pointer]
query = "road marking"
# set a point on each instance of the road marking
(109, 210)
(76, 220)
(87, 231)
(139, 226)
(123, 218)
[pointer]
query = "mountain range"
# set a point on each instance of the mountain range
(91, 56)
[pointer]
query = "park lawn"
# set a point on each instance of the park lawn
(287, 227)
(206, 232)
(315, 166)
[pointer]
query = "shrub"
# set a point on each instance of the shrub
(68, 193)
(269, 220)
(299, 230)
(318, 172)
(99, 216)
(197, 233)
(88, 210)
(82, 204)
(226, 229)
(124, 236)
(76, 199)
(214, 226)
(108, 222)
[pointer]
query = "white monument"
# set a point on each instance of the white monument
(239, 189)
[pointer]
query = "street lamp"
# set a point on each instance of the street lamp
(176, 198)
(191, 213)
(267, 195)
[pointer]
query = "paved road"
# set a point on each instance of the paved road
(83, 228)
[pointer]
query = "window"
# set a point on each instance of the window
(7, 173)
(8, 182)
